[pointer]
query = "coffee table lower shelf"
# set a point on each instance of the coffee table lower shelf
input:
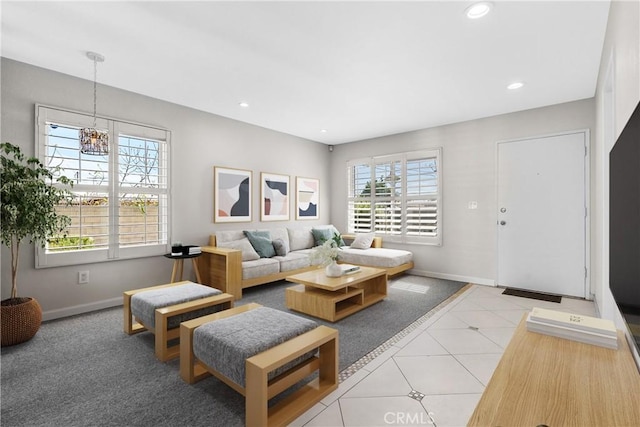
(329, 305)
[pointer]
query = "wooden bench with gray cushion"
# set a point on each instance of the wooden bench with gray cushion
(261, 352)
(160, 309)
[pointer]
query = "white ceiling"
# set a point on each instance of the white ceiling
(357, 69)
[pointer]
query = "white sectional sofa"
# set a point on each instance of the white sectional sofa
(231, 262)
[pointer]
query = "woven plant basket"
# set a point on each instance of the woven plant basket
(20, 319)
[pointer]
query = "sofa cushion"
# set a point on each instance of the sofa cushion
(293, 261)
(261, 242)
(363, 241)
(259, 268)
(375, 257)
(248, 253)
(281, 233)
(307, 253)
(228, 236)
(300, 238)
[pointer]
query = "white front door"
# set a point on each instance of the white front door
(542, 214)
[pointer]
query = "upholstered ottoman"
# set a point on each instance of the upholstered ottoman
(261, 352)
(160, 309)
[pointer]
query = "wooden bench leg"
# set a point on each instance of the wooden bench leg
(163, 334)
(259, 390)
(257, 396)
(187, 362)
(329, 362)
(130, 327)
(126, 308)
(161, 344)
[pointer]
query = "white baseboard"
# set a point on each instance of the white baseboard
(475, 280)
(80, 309)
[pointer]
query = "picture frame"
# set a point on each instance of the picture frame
(307, 198)
(274, 197)
(232, 195)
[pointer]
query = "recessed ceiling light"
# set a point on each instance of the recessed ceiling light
(478, 10)
(243, 104)
(323, 130)
(515, 85)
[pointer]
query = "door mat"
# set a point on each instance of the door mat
(532, 295)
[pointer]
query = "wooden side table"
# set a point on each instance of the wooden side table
(178, 266)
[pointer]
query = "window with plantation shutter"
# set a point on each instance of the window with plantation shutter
(142, 184)
(397, 196)
(120, 204)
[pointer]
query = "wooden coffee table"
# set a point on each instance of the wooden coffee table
(334, 298)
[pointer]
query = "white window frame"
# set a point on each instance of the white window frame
(116, 127)
(403, 198)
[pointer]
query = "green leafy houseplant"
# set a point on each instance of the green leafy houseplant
(328, 252)
(28, 208)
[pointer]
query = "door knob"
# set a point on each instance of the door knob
(503, 222)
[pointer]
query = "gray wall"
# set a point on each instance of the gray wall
(199, 141)
(468, 251)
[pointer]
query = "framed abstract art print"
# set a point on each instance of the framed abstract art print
(274, 197)
(307, 198)
(231, 195)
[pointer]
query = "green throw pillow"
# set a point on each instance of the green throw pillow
(321, 235)
(261, 242)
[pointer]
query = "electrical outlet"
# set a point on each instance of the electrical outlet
(83, 277)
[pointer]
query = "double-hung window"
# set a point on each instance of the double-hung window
(398, 196)
(120, 203)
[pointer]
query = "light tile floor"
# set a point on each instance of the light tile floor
(435, 374)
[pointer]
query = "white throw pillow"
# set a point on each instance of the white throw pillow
(244, 245)
(363, 241)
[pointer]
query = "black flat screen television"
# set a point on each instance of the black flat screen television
(624, 225)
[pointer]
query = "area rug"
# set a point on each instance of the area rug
(84, 371)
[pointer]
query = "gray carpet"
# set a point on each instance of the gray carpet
(84, 371)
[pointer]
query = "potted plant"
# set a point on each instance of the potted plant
(28, 210)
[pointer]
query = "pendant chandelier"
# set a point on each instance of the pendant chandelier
(92, 140)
